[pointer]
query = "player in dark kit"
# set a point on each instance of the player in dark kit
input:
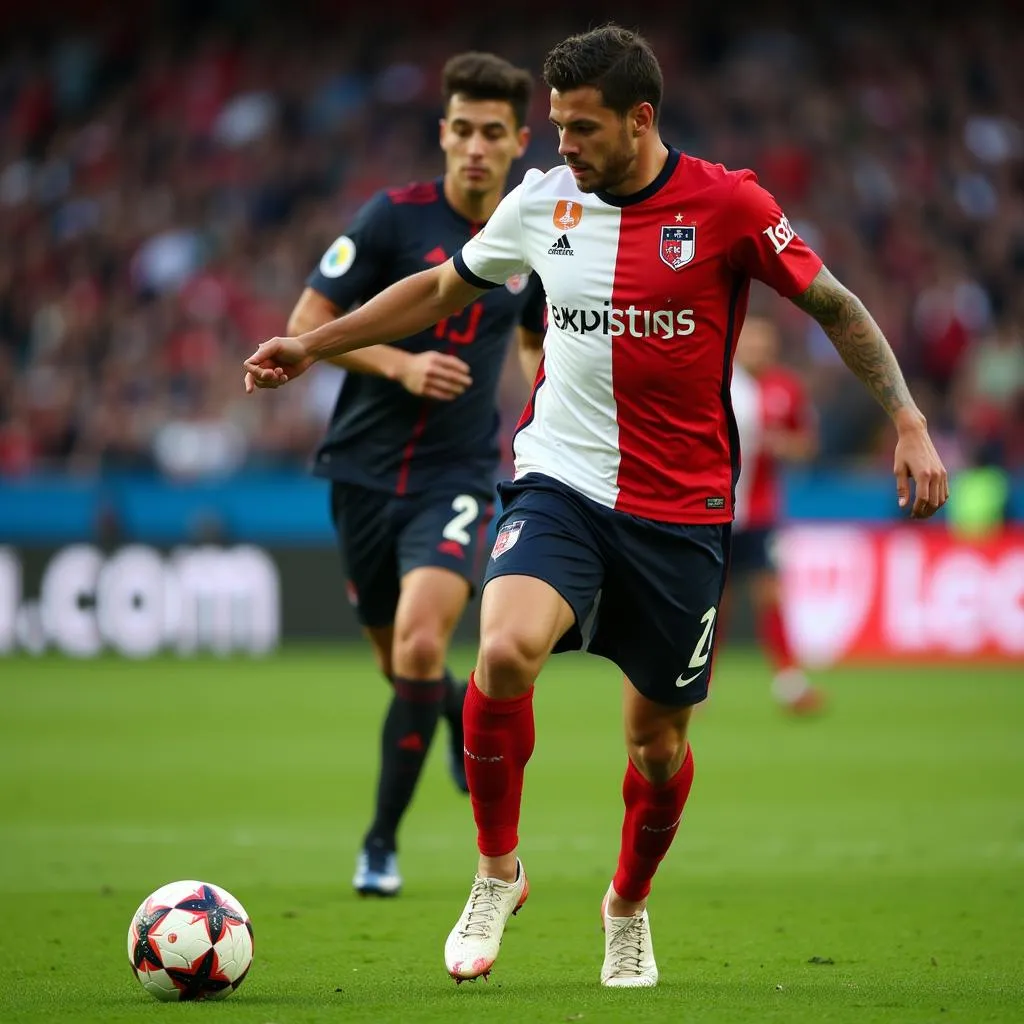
(412, 447)
(618, 520)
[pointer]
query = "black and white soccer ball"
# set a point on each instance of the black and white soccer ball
(190, 940)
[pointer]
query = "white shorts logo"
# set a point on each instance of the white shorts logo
(339, 257)
(507, 537)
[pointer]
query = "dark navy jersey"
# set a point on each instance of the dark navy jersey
(380, 435)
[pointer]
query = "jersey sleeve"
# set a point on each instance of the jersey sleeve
(496, 252)
(532, 315)
(350, 270)
(764, 244)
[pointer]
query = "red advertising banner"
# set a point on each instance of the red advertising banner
(913, 591)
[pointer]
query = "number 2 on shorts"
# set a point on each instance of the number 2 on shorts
(466, 509)
(702, 651)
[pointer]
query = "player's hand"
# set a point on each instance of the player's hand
(275, 363)
(435, 375)
(917, 460)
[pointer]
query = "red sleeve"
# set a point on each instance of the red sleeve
(764, 244)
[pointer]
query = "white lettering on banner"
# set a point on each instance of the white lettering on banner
(905, 592)
(67, 601)
(1008, 625)
(227, 599)
(130, 609)
(952, 601)
(828, 574)
(137, 602)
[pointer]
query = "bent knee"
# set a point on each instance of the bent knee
(508, 660)
(659, 756)
(420, 653)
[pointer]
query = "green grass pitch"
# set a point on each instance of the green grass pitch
(866, 866)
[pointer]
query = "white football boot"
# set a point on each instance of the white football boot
(628, 950)
(473, 944)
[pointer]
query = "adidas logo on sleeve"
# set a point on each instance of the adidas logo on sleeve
(561, 247)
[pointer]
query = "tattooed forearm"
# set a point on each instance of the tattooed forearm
(857, 338)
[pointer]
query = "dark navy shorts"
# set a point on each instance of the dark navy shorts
(752, 549)
(383, 536)
(645, 594)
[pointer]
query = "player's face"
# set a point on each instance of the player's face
(758, 345)
(598, 144)
(480, 140)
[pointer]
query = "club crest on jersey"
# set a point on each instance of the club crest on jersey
(507, 537)
(517, 282)
(568, 213)
(678, 244)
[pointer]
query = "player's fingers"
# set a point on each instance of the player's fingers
(435, 391)
(451, 381)
(457, 371)
(257, 358)
(450, 361)
(269, 377)
(935, 498)
(923, 503)
(447, 386)
(448, 365)
(902, 485)
(250, 384)
(450, 387)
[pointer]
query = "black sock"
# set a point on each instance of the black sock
(405, 740)
(454, 698)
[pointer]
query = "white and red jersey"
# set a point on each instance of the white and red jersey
(782, 404)
(646, 295)
(746, 407)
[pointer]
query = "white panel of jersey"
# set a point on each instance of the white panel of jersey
(746, 407)
(573, 435)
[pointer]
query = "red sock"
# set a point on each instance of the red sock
(499, 737)
(649, 826)
(774, 637)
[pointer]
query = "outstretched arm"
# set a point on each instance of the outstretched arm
(431, 374)
(860, 342)
(313, 310)
(406, 307)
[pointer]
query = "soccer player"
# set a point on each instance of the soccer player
(776, 424)
(412, 449)
(626, 455)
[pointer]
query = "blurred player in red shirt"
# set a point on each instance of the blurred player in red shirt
(777, 424)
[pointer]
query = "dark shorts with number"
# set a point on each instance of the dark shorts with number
(384, 536)
(645, 594)
(752, 549)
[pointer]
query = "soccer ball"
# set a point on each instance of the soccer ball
(190, 940)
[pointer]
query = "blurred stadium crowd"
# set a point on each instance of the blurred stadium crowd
(169, 174)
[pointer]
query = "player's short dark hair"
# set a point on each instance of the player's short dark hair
(619, 63)
(486, 76)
